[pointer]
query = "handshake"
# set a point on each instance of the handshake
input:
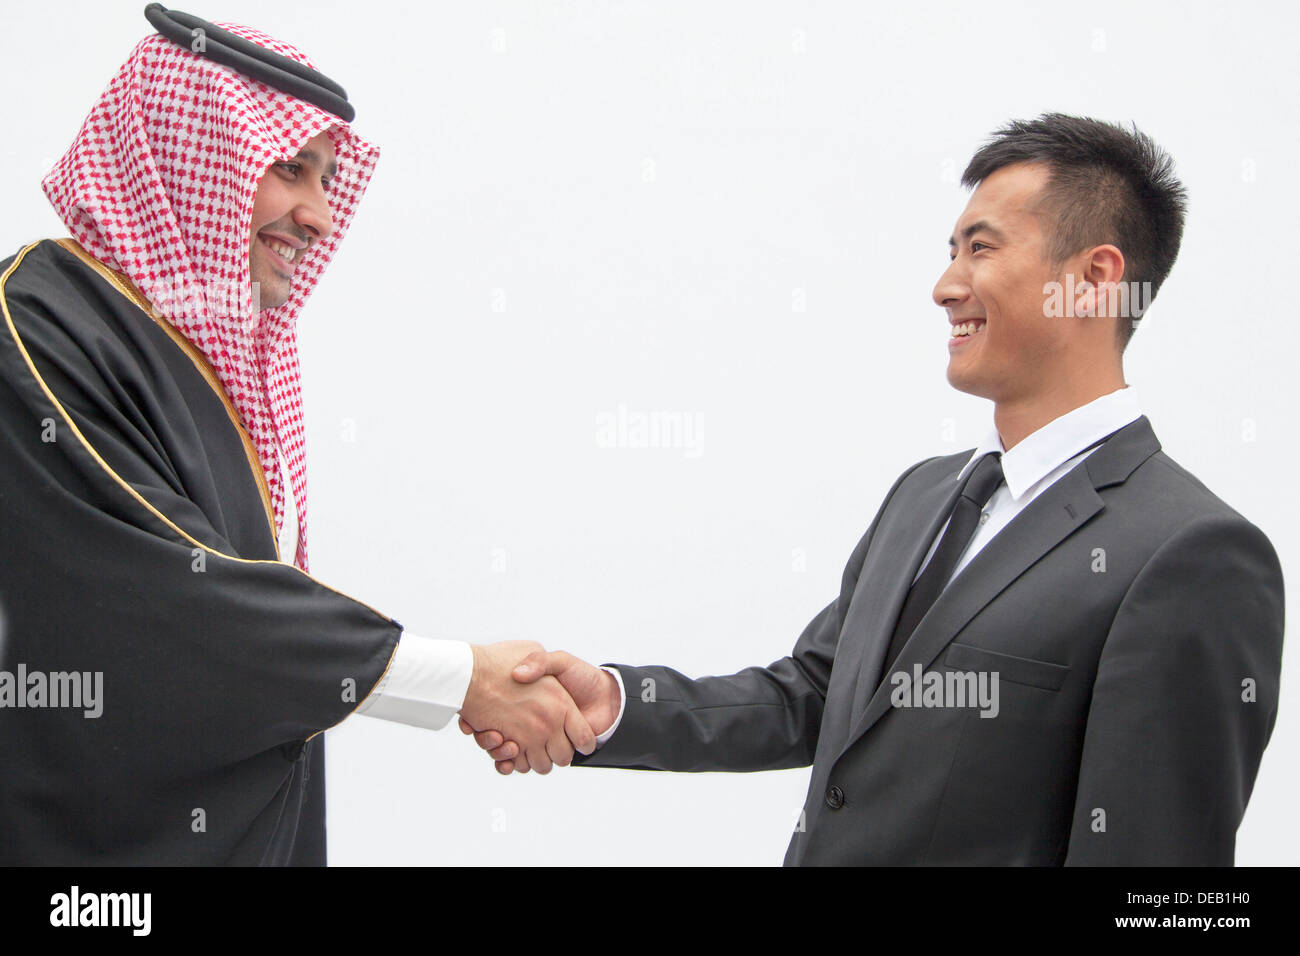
(531, 709)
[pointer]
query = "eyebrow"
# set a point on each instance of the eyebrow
(980, 226)
(313, 157)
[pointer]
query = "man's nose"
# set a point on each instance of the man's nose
(951, 287)
(315, 217)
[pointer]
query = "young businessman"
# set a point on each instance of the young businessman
(1060, 648)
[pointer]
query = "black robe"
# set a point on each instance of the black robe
(136, 540)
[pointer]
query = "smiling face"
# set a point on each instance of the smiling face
(999, 266)
(290, 214)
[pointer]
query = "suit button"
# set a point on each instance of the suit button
(834, 798)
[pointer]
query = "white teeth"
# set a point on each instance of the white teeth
(280, 249)
(967, 328)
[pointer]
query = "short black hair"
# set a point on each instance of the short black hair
(1107, 184)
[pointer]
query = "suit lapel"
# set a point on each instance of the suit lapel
(1041, 526)
(884, 581)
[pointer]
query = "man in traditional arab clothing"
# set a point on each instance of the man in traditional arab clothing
(167, 664)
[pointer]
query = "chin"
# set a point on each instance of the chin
(967, 384)
(271, 295)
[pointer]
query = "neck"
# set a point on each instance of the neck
(1018, 418)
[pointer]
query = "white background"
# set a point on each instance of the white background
(585, 206)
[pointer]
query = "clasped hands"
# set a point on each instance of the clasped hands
(531, 709)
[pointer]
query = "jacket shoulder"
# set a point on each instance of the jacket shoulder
(937, 468)
(1166, 505)
(1172, 487)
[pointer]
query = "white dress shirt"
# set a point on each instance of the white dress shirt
(1030, 468)
(1037, 463)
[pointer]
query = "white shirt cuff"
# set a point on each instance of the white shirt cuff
(425, 685)
(622, 702)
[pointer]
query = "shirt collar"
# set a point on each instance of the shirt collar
(1039, 454)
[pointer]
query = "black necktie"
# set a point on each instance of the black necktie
(982, 481)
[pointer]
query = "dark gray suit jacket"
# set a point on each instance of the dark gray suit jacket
(1135, 623)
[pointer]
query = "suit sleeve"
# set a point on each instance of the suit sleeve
(1184, 701)
(761, 718)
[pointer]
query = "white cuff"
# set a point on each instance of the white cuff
(622, 702)
(425, 685)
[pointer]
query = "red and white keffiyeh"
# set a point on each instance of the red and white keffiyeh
(159, 185)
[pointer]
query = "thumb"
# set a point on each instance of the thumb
(540, 663)
(532, 668)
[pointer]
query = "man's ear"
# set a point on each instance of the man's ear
(1102, 271)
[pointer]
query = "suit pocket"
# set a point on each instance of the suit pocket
(1018, 670)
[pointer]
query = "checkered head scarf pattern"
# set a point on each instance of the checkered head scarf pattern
(159, 184)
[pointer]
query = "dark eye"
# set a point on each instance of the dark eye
(290, 167)
(974, 244)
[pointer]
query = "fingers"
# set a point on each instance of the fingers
(539, 760)
(559, 749)
(570, 729)
(575, 732)
(552, 746)
(492, 741)
(579, 733)
(545, 720)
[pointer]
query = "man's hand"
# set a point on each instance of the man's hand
(538, 716)
(594, 690)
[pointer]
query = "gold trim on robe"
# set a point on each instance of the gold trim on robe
(124, 285)
(127, 289)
